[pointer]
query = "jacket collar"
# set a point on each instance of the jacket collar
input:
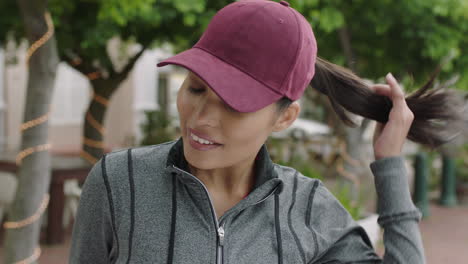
(264, 166)
(267, 182)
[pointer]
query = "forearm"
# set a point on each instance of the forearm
(397, 213)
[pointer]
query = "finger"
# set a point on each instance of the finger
(378, 130)
(382, 89)
(397, 95)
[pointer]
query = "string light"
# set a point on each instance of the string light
(88, 157)
(93, 75)
(32, 218)
(26, 152)
(35, 256)
(94, 123)
(93, 143)
(35, 122)
(29, 151)
(100, 99)
(41, 41)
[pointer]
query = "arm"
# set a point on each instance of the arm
(92, 231)
(397, 213)
(348, 243)
(338, 238)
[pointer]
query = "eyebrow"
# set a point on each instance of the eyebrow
(196, 81)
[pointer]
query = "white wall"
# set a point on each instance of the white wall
(145, 83)
(69, 102)
(176, 79)
(70, 98)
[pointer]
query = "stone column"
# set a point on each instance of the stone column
(421, 171)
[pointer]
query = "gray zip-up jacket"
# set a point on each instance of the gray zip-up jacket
(142, 206)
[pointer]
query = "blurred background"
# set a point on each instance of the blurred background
(78, 79)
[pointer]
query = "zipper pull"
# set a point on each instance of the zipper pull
(221, 235)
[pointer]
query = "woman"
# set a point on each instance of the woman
(215, 196)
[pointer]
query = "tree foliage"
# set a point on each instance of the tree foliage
(85, 27)
(408, 38)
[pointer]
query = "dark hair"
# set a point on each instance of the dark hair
(283, 104)
(437, 112)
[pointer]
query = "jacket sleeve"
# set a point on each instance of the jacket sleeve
(92, 235)
(397, 216)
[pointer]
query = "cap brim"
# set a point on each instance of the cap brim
(236, 88)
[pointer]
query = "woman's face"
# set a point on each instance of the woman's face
(217, 136)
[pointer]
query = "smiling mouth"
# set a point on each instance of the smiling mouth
(201, 140)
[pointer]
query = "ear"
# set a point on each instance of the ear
(287, 117)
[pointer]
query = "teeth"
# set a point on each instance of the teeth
(201, 140)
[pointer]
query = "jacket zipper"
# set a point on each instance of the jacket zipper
(220, 255)
(219, 229)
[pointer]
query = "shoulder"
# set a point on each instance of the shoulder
(298, 189)
(292, 177)
(142, 159)
(316, 197)
(119, 158)
(143, 151)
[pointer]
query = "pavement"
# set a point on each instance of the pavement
(444, 233)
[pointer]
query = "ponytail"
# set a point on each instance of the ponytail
(437, 112)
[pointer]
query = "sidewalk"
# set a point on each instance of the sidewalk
(445, 235)
(445, 238)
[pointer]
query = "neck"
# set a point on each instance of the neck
(233, 181)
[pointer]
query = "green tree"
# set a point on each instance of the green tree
(84, 29)
(408, 38)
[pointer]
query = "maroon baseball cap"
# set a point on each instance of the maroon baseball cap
(253, 53)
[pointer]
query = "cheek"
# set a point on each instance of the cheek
(247, 136)
(184, 107)
(247, 131)
(255, 128)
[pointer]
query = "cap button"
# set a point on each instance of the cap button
(284, 3)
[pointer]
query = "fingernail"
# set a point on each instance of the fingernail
(390, 76)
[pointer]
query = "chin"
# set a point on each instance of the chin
(202, 162)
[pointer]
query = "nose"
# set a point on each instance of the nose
(207, 112)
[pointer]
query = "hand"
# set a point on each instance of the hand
(390, 137)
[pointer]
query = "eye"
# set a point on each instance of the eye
(196, 90)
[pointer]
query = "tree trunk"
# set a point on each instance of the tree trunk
(34, 171)
(345, 41)
(352, 136)
(93, 129)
